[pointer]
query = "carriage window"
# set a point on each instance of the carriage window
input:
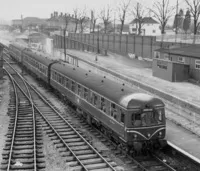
(66, 82)
(51, 74)
(136, 119)
(86, 93)
(73, 86)
(79, 90)
(158, 115)
(62, 80)
(122, 116)
(147, 118)
(55, 76)
(103, 105)
(95, 99)
(113, 111)
(59, 79)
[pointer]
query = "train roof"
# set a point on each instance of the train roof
(121, 94)
(17, 45)
(39, 57)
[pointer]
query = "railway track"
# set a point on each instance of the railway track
(79, 154)
(143, 163)
(22, 148)
(56, 129)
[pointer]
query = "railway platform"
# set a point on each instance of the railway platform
(177, 136)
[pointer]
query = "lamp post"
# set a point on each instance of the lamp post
(65, 43)
(64, 34)
(98, 50)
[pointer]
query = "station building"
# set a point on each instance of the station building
(177, 64)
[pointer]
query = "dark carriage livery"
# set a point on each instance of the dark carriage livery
(131, 118)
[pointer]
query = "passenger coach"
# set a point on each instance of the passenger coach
(133, 119)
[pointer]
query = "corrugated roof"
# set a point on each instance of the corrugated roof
(189, 51)
(147, 20)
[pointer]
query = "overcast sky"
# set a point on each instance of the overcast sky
(13, 9)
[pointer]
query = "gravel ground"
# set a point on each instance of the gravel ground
(54, 162)
(4, 119)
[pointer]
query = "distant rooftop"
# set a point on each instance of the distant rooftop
(189, 51)
(146, 20)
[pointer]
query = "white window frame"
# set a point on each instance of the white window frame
(197, 63)
(167, 57)
(183, 59)
(155, 55)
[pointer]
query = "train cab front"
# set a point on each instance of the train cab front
(145, 124)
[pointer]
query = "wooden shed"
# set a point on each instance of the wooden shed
(178, 61)
(170, 71)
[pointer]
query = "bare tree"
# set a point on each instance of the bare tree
(194, 8)
(93, 20)
(83, 19)
(76, 19)
(105, 16)
(162, 12)
(139, 14)
(122, 10)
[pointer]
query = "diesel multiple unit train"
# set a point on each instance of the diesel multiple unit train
(132, 119)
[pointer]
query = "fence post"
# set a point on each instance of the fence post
(134, 44)
(120, 43)
(108, 41)
(142, 45)
(152, 47)
(126, 44)
(114, 42)
(103, 40)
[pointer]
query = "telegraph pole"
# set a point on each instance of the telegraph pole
(22, 23)
(65, 43)
(176, 18)
(114, 23)
(98, 50)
